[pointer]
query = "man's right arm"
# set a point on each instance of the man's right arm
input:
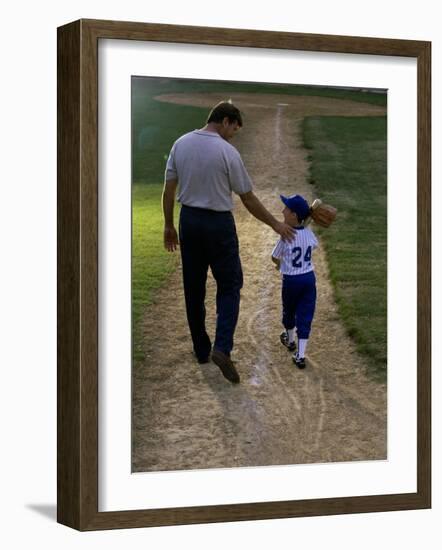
(258, 210)
(168, 201)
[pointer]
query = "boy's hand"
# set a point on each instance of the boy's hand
(277, 263)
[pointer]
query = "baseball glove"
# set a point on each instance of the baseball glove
(322, 214)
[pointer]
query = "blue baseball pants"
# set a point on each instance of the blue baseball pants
(298, 302)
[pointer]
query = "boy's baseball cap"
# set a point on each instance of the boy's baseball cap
(298, 205)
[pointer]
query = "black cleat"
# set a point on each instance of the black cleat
(299, 361)
(224, 362)
(291, 346)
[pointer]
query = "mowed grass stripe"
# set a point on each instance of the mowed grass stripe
(349, 170)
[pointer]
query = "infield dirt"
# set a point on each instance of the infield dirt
(186, 415)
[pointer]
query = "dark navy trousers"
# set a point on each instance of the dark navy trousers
(298, 302)
(208, 239)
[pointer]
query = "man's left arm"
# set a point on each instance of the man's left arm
(258, 210)
(168, 202)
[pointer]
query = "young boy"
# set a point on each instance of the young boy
(294, 260)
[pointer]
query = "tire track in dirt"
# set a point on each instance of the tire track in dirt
(187, 416)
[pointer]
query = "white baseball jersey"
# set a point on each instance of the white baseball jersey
(296, 255)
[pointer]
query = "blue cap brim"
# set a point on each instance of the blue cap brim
(284, 200)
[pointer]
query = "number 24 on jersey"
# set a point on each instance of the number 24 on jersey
(298, 258)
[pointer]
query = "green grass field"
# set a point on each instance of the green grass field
(349, 170)
(156, 125)
(151, 263)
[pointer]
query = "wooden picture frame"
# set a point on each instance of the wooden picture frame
(77, 409)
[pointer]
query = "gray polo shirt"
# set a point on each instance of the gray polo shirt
(208, 169)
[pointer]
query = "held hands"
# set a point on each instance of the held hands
(170, 239)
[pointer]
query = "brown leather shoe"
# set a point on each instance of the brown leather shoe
(224, 362)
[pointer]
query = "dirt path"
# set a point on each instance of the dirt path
(187, 416)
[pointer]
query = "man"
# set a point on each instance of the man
(206, 168)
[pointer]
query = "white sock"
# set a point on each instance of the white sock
(291, 335)
(302, 344)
